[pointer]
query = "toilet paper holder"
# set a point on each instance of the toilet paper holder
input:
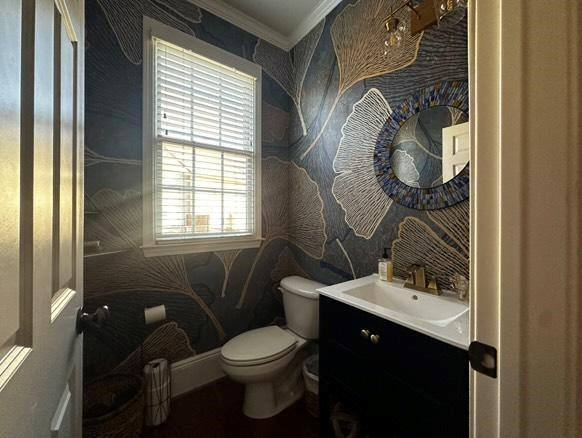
(154, 314)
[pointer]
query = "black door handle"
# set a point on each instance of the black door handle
(483, 358)
(92, 321)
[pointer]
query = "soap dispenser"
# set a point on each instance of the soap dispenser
(385, 268)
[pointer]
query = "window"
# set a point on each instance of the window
(201, 146)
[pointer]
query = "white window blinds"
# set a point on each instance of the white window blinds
(204, 147)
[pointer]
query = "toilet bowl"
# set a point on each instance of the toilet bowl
(268, 360)
(268, 374)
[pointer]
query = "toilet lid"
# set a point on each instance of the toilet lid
(262, 344)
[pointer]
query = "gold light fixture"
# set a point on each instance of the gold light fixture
(396, 27)
(446, 7)
(422, 16)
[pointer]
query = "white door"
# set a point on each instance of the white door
(456, 149)
(526, 214)
(41, 250)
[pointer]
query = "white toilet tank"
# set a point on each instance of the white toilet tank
(301, 303)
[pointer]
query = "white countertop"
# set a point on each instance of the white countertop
(453, 331)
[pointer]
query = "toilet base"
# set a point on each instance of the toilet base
(262, 400)
(267, 399)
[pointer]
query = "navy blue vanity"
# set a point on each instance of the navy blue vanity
(400, 383)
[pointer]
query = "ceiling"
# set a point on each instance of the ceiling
(281, 15)
(280, 22)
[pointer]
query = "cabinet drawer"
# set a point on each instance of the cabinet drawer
(422, 362)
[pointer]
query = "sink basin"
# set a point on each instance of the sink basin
(442, 317)
(433, 309)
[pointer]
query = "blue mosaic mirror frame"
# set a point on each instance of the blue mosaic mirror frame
(454, 94)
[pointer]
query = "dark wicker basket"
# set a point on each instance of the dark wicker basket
(113, 407)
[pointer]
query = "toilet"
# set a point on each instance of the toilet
(268, 360)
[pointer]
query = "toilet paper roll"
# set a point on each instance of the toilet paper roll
(154, 314)
(158, 368)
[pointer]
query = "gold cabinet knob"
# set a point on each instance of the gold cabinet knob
(375, 339)
(365, 333)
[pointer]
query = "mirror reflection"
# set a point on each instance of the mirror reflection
(431, 147)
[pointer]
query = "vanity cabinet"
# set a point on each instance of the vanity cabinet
(399, 382)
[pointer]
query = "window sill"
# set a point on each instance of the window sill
(165, 249)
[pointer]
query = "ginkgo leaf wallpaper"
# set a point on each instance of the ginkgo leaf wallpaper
(324, 214)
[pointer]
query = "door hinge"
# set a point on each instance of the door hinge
(483, 358)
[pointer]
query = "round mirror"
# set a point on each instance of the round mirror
(421, 157)
(428, 149)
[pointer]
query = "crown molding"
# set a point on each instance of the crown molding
(318, 14)
(261, 30)
(244, 21)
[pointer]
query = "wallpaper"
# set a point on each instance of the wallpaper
(349, 90)
(209, 297)
(324, 214)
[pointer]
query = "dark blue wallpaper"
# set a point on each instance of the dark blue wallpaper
(324, 214)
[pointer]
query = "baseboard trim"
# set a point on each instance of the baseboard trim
(196, 371)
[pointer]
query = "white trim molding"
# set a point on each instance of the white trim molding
(67, 20)
(60, 301)
(261, 30)
(318, 14)
(11, 362)
(196, 371)
(220, 244)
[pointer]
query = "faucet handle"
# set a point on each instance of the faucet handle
(460, 285)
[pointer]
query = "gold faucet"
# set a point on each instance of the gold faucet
(417, 280)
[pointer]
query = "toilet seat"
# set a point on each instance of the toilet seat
(259, 346)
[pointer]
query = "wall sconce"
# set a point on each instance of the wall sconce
(422, 16)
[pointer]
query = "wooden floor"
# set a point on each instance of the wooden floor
(215, 411)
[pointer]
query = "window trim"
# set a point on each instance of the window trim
(151, 247)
